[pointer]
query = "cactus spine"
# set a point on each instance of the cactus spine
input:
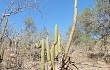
(52, 56)
(47, 48)
(42, 55)
(72, 31)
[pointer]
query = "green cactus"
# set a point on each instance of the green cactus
(56, 50)
(42, 55)
(59, 44)
(47, 48)
(52, 57)
(72, 31)
(56, 35)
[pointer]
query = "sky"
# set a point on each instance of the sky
(59, 12)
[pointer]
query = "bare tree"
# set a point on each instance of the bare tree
(14, 7)
(17, 6)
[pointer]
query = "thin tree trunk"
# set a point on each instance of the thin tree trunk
(4, 29)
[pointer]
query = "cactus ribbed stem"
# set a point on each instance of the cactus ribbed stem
(47, 48)
(56, 50)
(72, 31)
(59, 43)
(56, 35)
(52, 56)
(42, 55)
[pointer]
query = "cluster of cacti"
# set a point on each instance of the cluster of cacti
(52, 51)
(56, 46)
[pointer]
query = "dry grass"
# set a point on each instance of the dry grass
(28, 58)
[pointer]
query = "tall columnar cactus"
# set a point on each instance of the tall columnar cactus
(47, 48)
(72, 31)
(59, 43)
(56, 39)
(42, 55)
(58, 46)
(52, 56)
(56, 35)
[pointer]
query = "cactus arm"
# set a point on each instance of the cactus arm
(47, 48)
(56, 34)
(59, 43)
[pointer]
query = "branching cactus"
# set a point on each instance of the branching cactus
(48, 48)
(52, 57)
(42, 55)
